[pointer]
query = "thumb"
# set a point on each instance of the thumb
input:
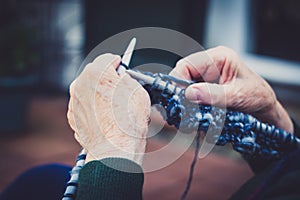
(207, 93)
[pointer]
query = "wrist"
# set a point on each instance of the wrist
(280, 118)
(132, 149)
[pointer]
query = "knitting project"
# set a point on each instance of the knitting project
(248, 136)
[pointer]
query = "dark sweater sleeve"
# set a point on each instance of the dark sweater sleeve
(110, 178)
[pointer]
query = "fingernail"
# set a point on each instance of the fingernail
(193, 94)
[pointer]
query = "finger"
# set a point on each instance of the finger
(103, 65)
(208, 94)
(107, 61)
(205, 65)
(191, 67)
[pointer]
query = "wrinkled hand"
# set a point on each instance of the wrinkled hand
(108, 112)
(229, 82)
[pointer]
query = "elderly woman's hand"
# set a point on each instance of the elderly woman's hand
(229, 82)
(108, 112)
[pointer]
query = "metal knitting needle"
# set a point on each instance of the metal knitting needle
(162, 85)
(142, 77)
(126, 58)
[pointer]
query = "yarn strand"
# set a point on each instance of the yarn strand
(193, 164)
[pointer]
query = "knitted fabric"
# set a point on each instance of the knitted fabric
(274, 180)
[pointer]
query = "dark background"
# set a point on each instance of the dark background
(46, 24)
(277, 28)
(35, 35)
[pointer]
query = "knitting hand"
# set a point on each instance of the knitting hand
(230, 83)
(109, 112)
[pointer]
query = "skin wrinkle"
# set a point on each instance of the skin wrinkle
(135, 103)
(244, 90)
(230, 73)
(76, 125)
(185, 74)
(203, 74)
(100, 135)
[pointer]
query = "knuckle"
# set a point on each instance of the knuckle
(181, 63)
(101, 57)
(72, 87)
(106, 58)
(224, 48)
(228, 51)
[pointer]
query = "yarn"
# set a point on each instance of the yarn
(247, 135)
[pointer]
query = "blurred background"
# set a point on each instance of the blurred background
(43, 42)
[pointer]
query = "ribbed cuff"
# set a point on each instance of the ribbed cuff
(110, 178)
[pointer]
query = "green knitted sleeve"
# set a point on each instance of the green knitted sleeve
(101, 180)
